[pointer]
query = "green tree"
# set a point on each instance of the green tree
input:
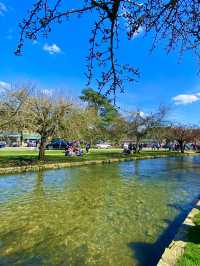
(93, 99)
(106, 112)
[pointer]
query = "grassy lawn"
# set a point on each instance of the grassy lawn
(191, 257)
(14, 157)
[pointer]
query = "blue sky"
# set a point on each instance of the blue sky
(59, 63)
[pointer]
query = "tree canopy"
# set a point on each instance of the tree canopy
(11, 102)
(104, 108)
(44, 115)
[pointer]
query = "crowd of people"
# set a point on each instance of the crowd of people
(74, 149)
(131, 148)
(174, 146)
(156, 146)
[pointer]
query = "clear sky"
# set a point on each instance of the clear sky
(59, 63)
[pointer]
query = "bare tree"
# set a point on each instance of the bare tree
(12, 101)
(196, 136)
(182, 134)
(158, 133)
(80, 124)
(117, 130)
(45, 116)
(140, 124)
(174, 20)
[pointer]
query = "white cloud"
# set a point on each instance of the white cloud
(138, 32)
(142, 114)
(5, 85)
(186, 98)
(3, 9)
(52, 49)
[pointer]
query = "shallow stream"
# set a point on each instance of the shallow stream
(120, 214)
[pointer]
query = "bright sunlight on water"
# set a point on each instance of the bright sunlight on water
(118, 214)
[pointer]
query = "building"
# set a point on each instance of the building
(18, 139)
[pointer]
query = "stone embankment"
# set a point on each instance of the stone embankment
(48, 166)
(176, 248)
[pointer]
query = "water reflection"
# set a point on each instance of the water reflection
(118, 214)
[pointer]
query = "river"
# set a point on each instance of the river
(119, 214)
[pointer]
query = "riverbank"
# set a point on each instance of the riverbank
(191, 255)
(184, 250)
(16, 161)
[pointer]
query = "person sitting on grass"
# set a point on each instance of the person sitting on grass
(72, 150)
(69, 151)
(126, 149)
(79, 152)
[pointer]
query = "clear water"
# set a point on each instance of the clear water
(118, 214)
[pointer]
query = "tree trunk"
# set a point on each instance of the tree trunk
(42, 147)
(137, 145)
(21, 138)
(181, 143)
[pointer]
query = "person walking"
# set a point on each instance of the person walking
(87, 147)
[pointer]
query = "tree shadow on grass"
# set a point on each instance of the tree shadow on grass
(148, 254)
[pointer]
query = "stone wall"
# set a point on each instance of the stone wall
(48, 166)
(176, 248)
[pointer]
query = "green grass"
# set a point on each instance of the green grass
(11, 158)
(191, 256)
